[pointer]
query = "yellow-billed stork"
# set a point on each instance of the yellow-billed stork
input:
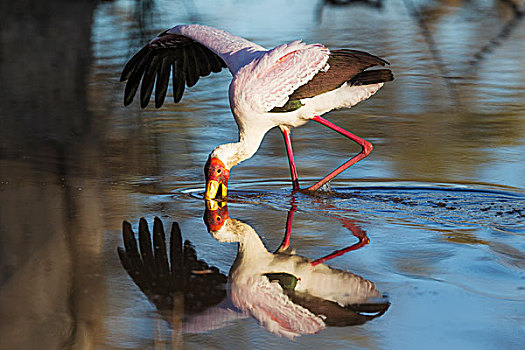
(285, 87)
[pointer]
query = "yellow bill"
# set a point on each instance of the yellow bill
(212, 187)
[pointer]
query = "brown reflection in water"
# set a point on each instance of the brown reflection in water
(448, 146)
(50, 238)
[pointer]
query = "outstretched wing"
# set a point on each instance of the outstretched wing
(189, 51)
(269, 80)
(185, 58)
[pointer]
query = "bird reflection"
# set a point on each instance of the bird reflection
(288, 294)
(504, 33)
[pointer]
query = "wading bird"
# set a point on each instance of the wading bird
(285, 87)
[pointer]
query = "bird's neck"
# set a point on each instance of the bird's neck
(251, 252)
(232, 154)
(250, 243)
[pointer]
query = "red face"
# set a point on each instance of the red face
(216, 178)
(215, 215)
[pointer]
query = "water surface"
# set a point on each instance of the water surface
(441, 198)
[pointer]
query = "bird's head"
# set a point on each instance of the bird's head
(215, 215)
(217, 177)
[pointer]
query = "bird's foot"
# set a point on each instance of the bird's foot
(327, 187)
(324, 189)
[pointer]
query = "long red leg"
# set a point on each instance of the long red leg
(291, 160)
(356, 231)
(340, 252)
(288, 231)
(367, 148)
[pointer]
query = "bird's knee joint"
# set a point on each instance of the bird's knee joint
(367, 148)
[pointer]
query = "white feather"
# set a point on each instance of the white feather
(234, 50)
(267, 81)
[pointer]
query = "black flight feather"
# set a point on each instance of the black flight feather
(153, 63)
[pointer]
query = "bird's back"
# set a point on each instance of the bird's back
(343, 66)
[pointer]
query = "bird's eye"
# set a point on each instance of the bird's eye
(219, 171)
(218, 218)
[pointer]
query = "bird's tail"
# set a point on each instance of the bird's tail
(374, 76)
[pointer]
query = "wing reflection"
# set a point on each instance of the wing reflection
(185, 286)
(287, 293)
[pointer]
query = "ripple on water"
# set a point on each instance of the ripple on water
(448, 205)
(462, 235)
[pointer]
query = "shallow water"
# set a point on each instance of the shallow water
(441, 198)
